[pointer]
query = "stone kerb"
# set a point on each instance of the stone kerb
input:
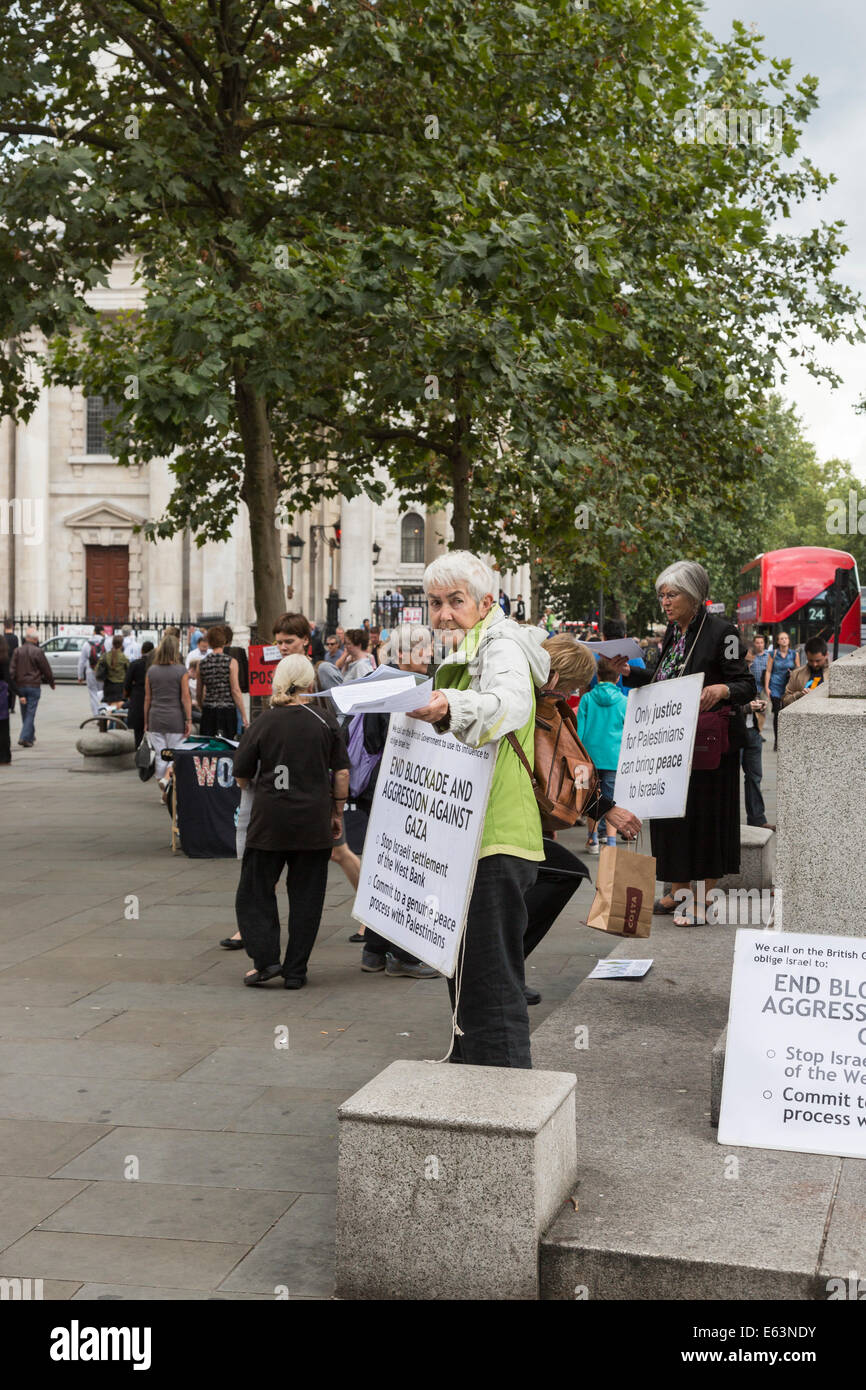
(448, 1177)
(822, 806)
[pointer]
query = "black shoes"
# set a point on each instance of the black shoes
(531, 995)
(294, 982)
(231, 943)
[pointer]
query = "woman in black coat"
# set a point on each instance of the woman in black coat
(704, 844)
(133, 689)
(7, 699)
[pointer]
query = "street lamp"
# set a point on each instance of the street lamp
(296, 549)
(377, 551)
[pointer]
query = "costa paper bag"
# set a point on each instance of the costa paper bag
(624, 892)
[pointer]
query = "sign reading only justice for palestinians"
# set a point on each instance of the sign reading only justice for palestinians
(795, 1058)
(655, 756)
(423, 839)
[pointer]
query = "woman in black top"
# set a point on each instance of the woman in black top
(133, 689)
(218, 693)
(7, 696)
(297, 754)
(704, 844)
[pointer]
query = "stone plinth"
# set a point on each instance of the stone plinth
(822, 804)
(448, 1177)
(757, 860)
(111, 751)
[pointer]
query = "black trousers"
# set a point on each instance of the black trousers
(492, 1009)
(5, 742)
(776, 702)
(559, 878)
(258, 916)
(750, 756)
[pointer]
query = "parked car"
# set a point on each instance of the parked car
(62, 654)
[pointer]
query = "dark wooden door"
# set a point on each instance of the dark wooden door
(107, 581)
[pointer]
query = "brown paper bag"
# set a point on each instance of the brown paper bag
(624, 892)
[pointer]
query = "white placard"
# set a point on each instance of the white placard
(655, 755)
(412, 615)
(617, 646)
(75, 630)
(795, 1058)
(422, 841)
(271, 653)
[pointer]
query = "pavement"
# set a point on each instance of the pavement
(157, 1139)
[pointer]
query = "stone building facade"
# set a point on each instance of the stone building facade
(68, 543)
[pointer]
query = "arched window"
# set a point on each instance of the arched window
(412, 539)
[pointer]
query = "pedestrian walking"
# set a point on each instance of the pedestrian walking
(131, 644)
(520, 610)
(134, 691)
(167, 705)
(240, 655)
(7, 692)
(299, 759)
(781, 662)
(218, 693)
(111, 671)
(88, 661)
(11, 643)
(29, 671)
(505, 603)
(704, 844)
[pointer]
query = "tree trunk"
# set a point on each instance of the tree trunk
(260, 493)
(534, 592)
(461, 475)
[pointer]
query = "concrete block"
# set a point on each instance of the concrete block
(717, 1076)
(111, 751)
(847, 676)
(821, 869)
(448, 1176)
(757, 860)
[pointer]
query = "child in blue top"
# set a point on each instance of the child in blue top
(600, 720)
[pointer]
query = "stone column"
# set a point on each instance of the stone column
(356, 560)
(162, 590)
(28, 515)
(821, 872)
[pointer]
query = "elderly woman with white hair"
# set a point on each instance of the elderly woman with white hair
(704, 844)
(296, 752)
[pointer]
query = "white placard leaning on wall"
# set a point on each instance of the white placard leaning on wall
(655, 755)
(423, 838)
(795, 1057)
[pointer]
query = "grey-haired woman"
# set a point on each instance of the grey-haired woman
(704, 844)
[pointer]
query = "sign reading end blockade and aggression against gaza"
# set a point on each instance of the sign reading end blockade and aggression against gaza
(422, 841)
(795, 1058)
(655, 755)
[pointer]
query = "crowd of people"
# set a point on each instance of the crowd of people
(308, 773)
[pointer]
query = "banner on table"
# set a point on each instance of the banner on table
(655, 755)
(422, 841)
(207, 802)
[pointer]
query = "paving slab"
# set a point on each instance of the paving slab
(24, 1021)
(259, 1162)
(295, 1255)
(160, 1210)
(24, 1202)
(79, 1057)
(143, 1293)
(68, 1255)
(272, 1066)
(37, 1148)
(278, 1112)
(158, 1103)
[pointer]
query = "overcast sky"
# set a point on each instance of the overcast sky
(826, 38)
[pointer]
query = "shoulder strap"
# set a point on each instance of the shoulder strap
(694, 644)
(515, 744)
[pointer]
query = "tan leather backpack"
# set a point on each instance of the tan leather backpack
(564, 779)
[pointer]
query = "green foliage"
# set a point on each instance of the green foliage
(460, 245)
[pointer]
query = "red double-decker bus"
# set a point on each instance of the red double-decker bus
(795, 591)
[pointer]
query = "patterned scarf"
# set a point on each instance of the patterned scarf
(674, 658)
